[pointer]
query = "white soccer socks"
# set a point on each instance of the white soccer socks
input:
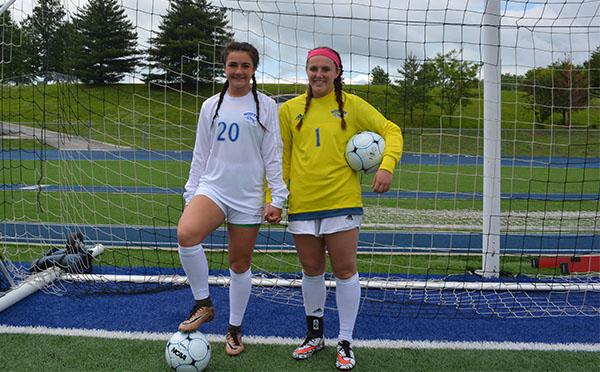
(347, 296)
(314, 294)
(194, 263)
(239, 293)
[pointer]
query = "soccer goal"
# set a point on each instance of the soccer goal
(494, 208)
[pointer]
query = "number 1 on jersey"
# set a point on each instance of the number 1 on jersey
(318, 137)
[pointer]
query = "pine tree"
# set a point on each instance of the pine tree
(46, 44)
(14, 66)
(183, 49)
(592, 66)
(413, 88)
(379, 76)
(106, 43)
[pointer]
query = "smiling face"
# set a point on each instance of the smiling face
(239, 69)
(321, 72)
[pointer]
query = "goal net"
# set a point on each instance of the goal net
(494, 207)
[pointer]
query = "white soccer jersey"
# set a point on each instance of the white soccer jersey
(233, 155)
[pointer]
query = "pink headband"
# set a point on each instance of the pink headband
(325, 52)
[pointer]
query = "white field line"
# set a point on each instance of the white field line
(387, 344)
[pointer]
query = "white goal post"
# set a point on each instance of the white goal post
(33, 283)
(6, 5)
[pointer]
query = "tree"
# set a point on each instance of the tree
(14, 67)
(413, 87)
(379, 76)
(559, 87)
(538, 87)
(183, 48)
(593, 69)
(106, 49)
(512, 82)
(454, 78)
(46, 44)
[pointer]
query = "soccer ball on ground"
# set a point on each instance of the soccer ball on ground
(187, 352)
(364, 151)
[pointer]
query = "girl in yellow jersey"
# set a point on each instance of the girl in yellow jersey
(325, 205)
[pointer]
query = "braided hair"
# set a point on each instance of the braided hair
(337, 86)
(235, 46)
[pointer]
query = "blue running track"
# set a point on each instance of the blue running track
(278, 239)
(389, 194)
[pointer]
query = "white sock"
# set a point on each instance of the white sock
(194, 263)
(239, 293)
(314, 294)
(347, 296)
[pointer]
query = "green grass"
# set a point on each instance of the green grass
(165, 209)
(140, 116)
(528, 142)
(173, 174)
(514, 205)
(285, 262)
(62, 353)
(516, 110)
(282, 262)
(169, 174)
(92, 208)
(131, 114)
(7, 144)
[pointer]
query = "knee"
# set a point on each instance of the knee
(240, 266)
(344, 271)
(344, 274)
(313, 268)
(186, 237)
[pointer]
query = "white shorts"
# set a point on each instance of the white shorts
(232, 216)
(322, 226)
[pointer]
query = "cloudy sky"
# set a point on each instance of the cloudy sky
(369, 33)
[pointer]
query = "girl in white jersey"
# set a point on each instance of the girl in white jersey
(325, 205)
(238, 145)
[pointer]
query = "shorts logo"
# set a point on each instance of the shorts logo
(337, 114)
(250, 118)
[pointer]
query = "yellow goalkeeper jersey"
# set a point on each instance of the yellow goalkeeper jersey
(320, 181)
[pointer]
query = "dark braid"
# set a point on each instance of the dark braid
(337, 84)
(255, 94)
(235, 46)
(221, 95)
(306, 106)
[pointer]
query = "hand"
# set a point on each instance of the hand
(382, 181)
(272, 214)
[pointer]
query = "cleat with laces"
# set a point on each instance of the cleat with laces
(314, 340)
(233, 341)
(308, 348)
(344, 360)
(202, 312)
